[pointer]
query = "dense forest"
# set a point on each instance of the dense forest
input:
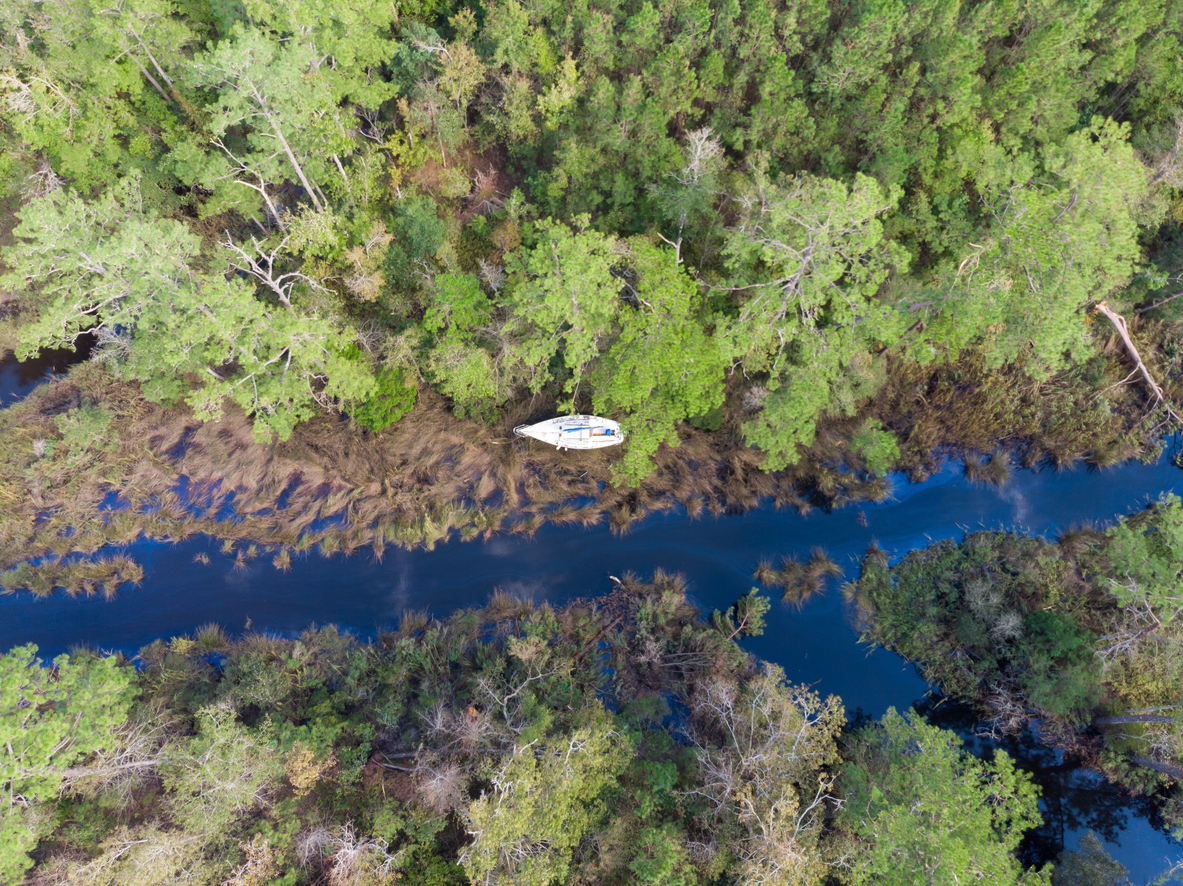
(648, 210)
(1084, 634)
(623, 739)
(323, 256)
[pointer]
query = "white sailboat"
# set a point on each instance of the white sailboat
(574, 432)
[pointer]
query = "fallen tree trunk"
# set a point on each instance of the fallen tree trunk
(1174, 772)
(1133, 718)
(1119, 324)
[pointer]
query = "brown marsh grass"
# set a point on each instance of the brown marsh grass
(799, 581)
(431, 475)
(993, 470)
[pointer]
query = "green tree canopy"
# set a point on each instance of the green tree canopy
(1060, 232)
(663, 366)
(922, 810)
(136, 281)
(564, 300)
(50, 718)
(542, 803)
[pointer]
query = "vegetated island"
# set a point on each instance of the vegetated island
(327, 258)
(1084, 635)
(621, 739)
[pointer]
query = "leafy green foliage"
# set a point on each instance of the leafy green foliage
(921, 809)
(877, 447)
(662, 858)
(1144, 558)
(746, 615)
(109, 267)
(85, 430)
(274, 91)
(50, 717)
(1061, 673)
(418, 234)
(468, 375)
(989, 611)
(542, 804)
(565, 299)
(93, 90)
(806, 260)
(893, 183)
(1012, 624)
(663, 366)
(220, 774)
(1088, 865)
(394, 396)
(1066, 232)
(458, 304)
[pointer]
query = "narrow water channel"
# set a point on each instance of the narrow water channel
(18, 377)
(816, 645)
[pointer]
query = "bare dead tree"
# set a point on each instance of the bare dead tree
(262, 264)
(1119, 324)
(1007, 709)
(1167, 168)
(485, 199)
(1139, 622)
(508, 699)
(358, 860)
(702, 148)
(42, 181)
(492, 274)
(770, 772)
(121, 766)
(373, 128)
(112, 346)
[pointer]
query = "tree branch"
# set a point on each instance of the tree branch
(1119, 324)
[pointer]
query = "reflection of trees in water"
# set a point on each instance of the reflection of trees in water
(27, 373)
(1074, 799)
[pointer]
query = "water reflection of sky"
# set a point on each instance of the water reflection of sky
(817, 644)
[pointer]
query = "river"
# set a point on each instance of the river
(817, 644)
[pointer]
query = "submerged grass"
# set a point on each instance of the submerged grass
(84, 577)
(993, 470)
(799, 581)
(431, 475)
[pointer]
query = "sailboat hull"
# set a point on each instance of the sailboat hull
(575, 432)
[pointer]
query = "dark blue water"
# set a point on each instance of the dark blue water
(816, 645)
(18, 377)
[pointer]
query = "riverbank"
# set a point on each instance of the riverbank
(88, 463)
(665, 748)
(815, 643)
(1082, 634)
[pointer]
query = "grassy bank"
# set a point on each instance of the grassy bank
(86, 462)
(621, 740)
